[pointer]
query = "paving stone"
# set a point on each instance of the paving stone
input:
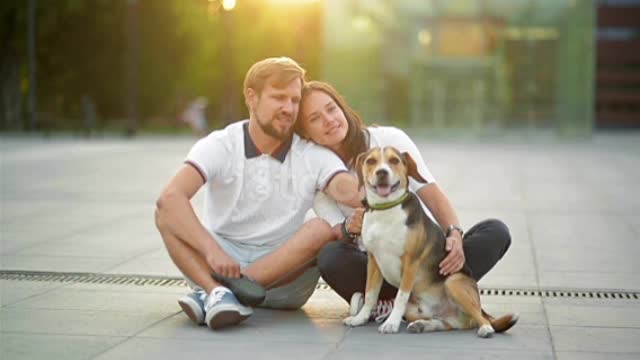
(148, 264)
(131, 288)
(266, 325)
(596, 315)
(75, 322)
(59, 263)
(244, 348)
(633, 221)
(629, 281)
(568, 355)
(595, 339)
(139, 302)
(14, 291)
(386, 351)
(68, 347)
(523, 338)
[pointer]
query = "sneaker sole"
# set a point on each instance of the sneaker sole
(226, 318)
(188, 310)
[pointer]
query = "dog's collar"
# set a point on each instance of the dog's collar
(390, 204)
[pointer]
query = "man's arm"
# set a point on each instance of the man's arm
(175, 214)
(441, 208)
(343, 188)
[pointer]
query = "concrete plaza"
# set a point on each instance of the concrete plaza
(86, 206)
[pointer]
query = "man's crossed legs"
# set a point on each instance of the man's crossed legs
(288, 273)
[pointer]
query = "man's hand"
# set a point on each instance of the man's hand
(223, 264)
(455, 259)
(354, 222)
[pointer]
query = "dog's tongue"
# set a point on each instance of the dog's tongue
(383, 190)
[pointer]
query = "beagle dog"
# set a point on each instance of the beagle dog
(405, 247)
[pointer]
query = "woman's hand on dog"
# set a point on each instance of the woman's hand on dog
(455, 259)
(354, 222)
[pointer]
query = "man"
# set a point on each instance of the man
(260, 179)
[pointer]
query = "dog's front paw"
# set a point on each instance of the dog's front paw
(355, 320)
(389, 327)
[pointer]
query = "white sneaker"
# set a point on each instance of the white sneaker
(222, 309)
(379, 314)
(193, 305)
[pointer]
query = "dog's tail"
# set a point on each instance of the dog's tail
(503, 323)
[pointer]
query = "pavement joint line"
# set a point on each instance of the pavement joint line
(337, 345)
(133, 257)
(167, 281)
(133, 336)
(534, 252)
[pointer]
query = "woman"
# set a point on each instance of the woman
(326, 119)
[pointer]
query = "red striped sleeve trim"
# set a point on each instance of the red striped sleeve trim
(331, 178)
(198, 169)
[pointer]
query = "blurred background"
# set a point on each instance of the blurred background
(174, 66)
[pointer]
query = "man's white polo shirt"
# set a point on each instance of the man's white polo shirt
(257, 199)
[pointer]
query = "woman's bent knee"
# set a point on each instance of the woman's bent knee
(329, 254)
(501, 233)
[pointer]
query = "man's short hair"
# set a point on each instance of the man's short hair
(279, 70)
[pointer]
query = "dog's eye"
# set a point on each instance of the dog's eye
(394, 161)
(371, 161)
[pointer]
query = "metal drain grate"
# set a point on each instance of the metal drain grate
(556, 293)
(151, 280)
(92, 278)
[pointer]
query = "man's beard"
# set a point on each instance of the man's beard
(270, 130)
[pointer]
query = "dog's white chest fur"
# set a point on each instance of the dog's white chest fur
(384, 235)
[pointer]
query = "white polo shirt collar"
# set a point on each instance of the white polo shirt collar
(252, 151)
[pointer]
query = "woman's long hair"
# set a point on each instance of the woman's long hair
(355, 142)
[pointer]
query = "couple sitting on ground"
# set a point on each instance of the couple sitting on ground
(260, 180)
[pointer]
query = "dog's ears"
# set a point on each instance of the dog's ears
(359, 161)
(412, 168)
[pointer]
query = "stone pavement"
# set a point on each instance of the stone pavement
(79, 206)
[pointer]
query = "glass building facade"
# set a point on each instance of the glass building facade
(465, 64)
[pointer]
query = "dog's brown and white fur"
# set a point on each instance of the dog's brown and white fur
(405, 248)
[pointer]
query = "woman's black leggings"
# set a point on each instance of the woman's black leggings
(344, 267)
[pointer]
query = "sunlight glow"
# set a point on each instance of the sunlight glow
(293, 2)
(424, 37)
(228, 4)
(361, 23)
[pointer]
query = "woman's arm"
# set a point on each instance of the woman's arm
(328, 209)
(444, 213)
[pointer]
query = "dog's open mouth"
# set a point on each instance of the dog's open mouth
(385, 189)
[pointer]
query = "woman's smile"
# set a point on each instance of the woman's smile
(333, 129)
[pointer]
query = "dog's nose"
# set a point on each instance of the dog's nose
(381, 173)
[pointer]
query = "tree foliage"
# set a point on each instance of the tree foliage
(183, 49)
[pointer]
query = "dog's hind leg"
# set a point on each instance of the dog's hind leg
(464, 291)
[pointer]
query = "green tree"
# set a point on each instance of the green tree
(184, 49)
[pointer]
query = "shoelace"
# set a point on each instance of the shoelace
(383, 310)
(202, 295)
(214, 298)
